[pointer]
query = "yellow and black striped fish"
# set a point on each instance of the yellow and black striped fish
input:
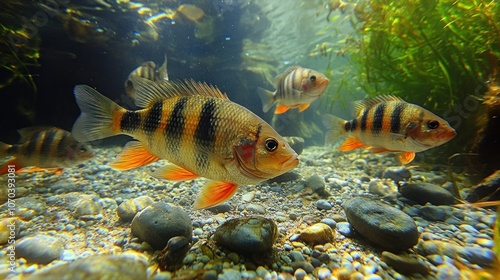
(44, 147)
(389, 124)
(297, 87)
(147, 70)
(194, 126)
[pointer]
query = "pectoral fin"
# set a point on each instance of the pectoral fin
(406, 157)
(173, 173)
(214, 193)
(350, 144)
(133, 155)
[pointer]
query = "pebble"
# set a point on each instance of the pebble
(130, 207)
(247, 197)
(256, 209)
(397, 174)
(86, 205)
(345, 229)
(382, 224)
(317, 234)
(423, 193)
(329, 222)
(42, 249)
(296, 256)
(159, 222)
(432, 213)
(447, 272)
(376, 187)
(323, 204)
(317, 184)
(9, 227)
(405, 264)
(96, 267)
(247, 235)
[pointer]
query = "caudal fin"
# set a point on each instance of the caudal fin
(267, 98)
(334, 127)
(100, 117)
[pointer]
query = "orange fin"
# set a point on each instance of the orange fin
(4, 168)
(214, 193)
(350, 144)
(280, 109)
(406, 157)
(303, 107)
(173, 173)
(132, 156)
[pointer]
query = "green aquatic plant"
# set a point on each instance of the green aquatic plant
(434, 53)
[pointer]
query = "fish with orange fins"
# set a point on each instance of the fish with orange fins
(44, 147)
(148, 71)
(297, 87)
(196, 128)
(389, 124)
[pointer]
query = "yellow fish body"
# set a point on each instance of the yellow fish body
(389, 124)
(44, 147)
(148, 71)
(195, 127)
(297, 87)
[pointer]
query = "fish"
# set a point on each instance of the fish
(387, 123)
(297, 87)
(195, 127)
(148, 71)
(44, 147)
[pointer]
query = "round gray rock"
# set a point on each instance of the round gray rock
(159, 222)
(247, 235)
(425, 192)
(382, 224)
(42, 249)
(129, 208)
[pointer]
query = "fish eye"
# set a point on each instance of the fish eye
(82, 150)
(271, 144)
(313, 78)
(432, 124)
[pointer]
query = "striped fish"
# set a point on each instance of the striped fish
(44, 147)
(147, 70)
(389, 124)
(297, 87)
(196, 128)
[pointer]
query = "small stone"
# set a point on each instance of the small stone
(480, 256)
(404, 264)
(330, 222)
(121, 267)
(286, 177)
(300, 274)
(345, 229)
(256, 209)
(323, 273)
(397, 173)
(86, 205)
(41, 249)
(447, 272)
(323, 204)
(317, 184)
(247, 235)
(221, 208)
(159, 222)
(423, 193)
(317, 234)
(381, 223)
(296, 256)
(130, 207)
(432, 213)
(248, 197)
(309, 268)
(376, 187)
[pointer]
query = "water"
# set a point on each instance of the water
(439, 55)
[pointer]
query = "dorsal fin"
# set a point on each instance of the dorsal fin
(147, 92)
(27, 132)
(278, 79)
(360, 105)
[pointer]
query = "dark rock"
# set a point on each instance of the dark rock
(309, 268)
(405, 265)
(323, 204)
(96, 267)
(41, 249)
(129, 208)
(317, 184)
(382, 224)
(286, 177)
(159, 222)
(221, 208)
(247, 235)
(488, 187)
(432, 213)
(480, 256)
(423, 193)
(296, 143)
(397, 173)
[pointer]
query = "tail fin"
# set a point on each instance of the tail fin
(267, 98)
(100, 117)
(334, 127)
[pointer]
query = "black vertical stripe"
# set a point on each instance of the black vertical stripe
(378, 118)
(130, 121)
(347, 126)
(47, 142)
(204, 136)
(153, 118)
(175, 125)
(32, 143)
(354, 124)
(364, 118)
(396, 117)
(61, 146)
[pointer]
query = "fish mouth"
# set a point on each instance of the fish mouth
(289, 163)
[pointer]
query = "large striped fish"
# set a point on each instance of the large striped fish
(389, 124)
(44, 147)
(195, 127)
(148, 71)
(297, 87)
